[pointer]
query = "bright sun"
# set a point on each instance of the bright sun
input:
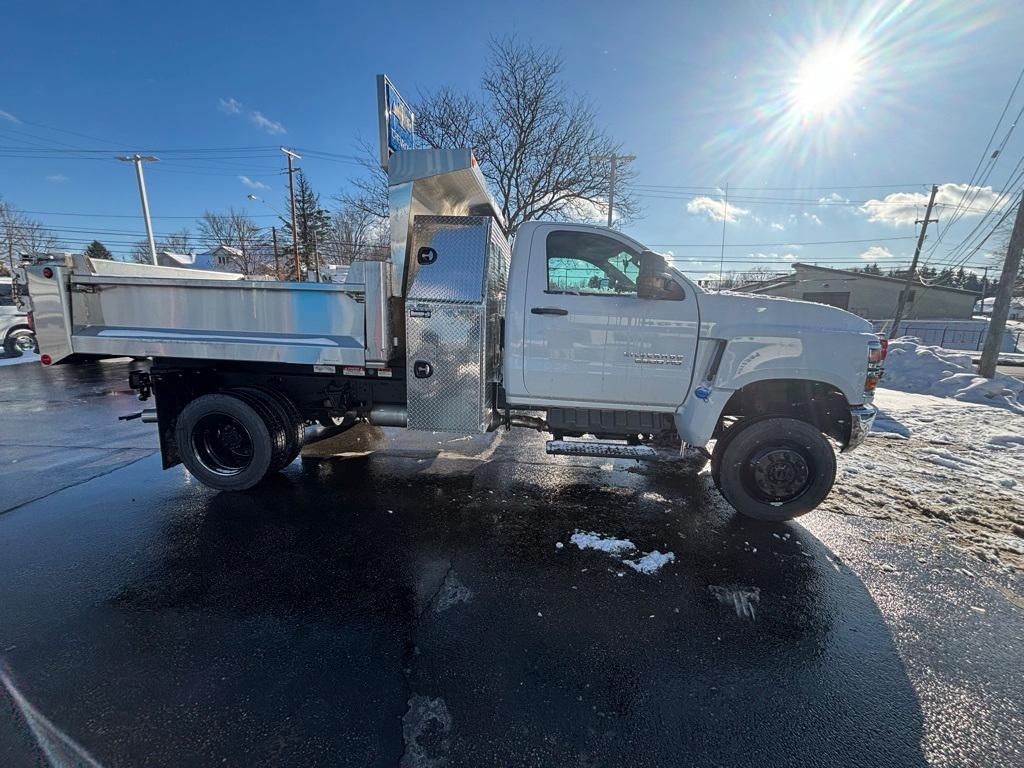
(827, 78)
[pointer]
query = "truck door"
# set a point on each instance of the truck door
(589, 339)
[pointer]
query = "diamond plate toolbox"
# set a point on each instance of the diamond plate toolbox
(453, 317)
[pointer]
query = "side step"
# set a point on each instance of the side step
(599, 449)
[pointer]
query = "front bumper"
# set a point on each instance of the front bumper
(861, 419)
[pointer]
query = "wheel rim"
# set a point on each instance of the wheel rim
(25, 343)
(778, 473)
(222, 444)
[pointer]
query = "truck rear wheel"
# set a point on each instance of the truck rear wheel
(282, 414)
(225, 442)
(775, 468)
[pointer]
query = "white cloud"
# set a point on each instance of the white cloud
(8, 117)
(270, 126)
(773, 256)
(832, 198)
(58, 178)
(876, 253)
(813, 218)
(251, 183)
(233, 106)
(716, 210)
(904, 208)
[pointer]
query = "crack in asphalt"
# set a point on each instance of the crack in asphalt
(82, 481)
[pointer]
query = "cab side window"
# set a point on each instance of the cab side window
(590, 264)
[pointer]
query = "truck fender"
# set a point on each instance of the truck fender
(697, 417)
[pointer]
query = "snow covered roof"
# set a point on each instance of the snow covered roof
(171, 259)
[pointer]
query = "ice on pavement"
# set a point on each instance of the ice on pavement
(914, 367)
(651, 562)
(590, 540)
(740, 599)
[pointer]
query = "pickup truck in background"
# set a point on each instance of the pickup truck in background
(16, 336)
(574, 330)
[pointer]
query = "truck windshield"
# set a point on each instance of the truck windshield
(588, 263)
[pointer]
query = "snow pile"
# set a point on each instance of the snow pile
(648, 563)
(914, 367)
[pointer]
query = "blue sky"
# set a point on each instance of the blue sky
(703, 94)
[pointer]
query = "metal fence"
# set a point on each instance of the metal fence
(954, 338)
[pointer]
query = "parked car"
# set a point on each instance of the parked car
(15, 331)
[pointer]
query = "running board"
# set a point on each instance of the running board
(599, 449)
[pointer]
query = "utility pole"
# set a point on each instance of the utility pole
(614, 160)
(1004, 294)
(291, 193)
(905, 293)
(277, 262)
(984, 290)
(138, 160)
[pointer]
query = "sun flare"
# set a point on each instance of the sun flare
(826, 80)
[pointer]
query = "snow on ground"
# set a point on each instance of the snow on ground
(947, 464)
(914, 367)
(607, 544)
(648, 563)
(27, 357)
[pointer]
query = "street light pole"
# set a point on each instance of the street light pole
(138, 160)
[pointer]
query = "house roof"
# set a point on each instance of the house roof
(864, 275)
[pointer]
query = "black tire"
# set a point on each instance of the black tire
(19, 341)
(288, 417)
(224, 441)
(776, 468)
(273, 416)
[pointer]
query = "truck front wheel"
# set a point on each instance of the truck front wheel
(775, 469)
(225, 443)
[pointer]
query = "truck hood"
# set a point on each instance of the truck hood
(741, 311)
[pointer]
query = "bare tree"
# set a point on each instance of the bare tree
(367, 193)
(355, 234)
(535, 141)
(177, 242)
(239, 232)
(21, 235)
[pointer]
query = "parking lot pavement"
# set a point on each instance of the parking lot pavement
(425, 604)
(59, 427)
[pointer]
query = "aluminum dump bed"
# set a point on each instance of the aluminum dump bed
(77, 311)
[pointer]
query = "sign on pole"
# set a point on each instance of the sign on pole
(397, 122)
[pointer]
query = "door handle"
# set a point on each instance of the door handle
(549, 311)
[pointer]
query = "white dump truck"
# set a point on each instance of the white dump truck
(575, 330)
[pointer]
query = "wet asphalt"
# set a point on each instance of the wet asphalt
(410, 606)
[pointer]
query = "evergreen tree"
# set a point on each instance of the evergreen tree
(97, 250)
(312, 221)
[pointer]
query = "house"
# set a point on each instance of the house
(871, 296)
(223, 258)
(1016, 308)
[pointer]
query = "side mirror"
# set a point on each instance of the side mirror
(655, 281)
